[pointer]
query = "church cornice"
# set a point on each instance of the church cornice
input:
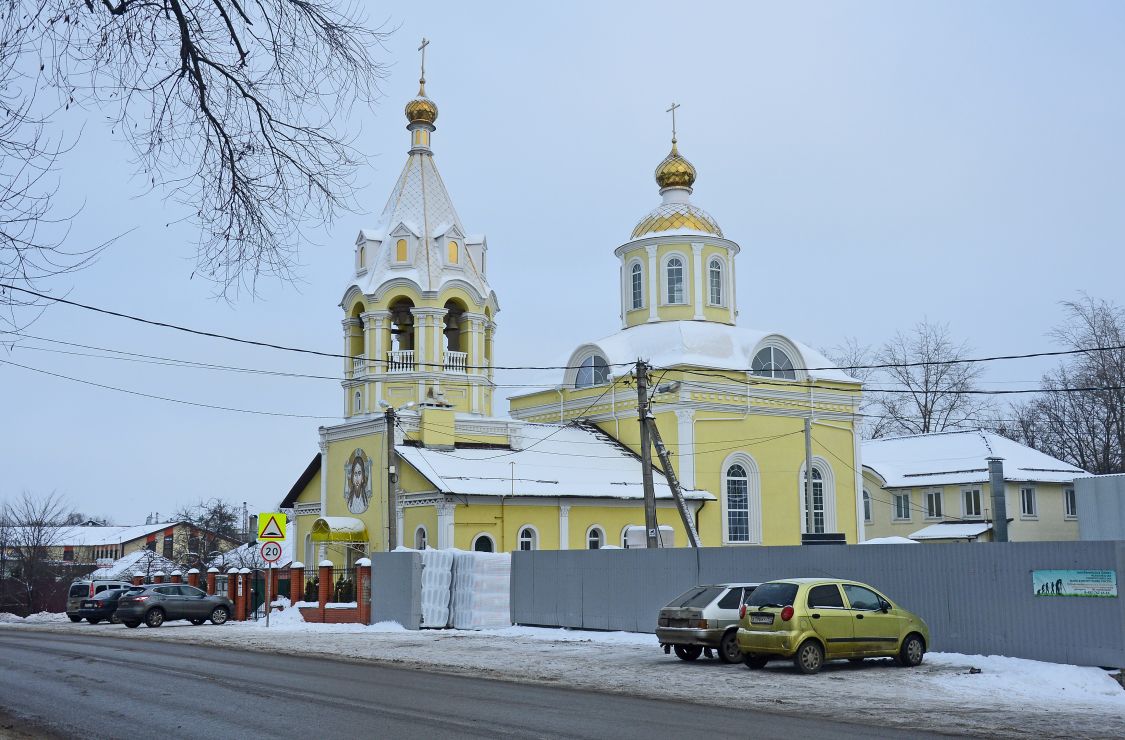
(655, 240)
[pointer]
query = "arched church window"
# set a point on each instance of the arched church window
(771, 362)
(715, 271)
(866, 506)
(593, 371)
(483, 543)
(400, 251)
(454, 253)
(817, 500)
(357, 403)
(528, 539)
(420, 538)
(362, 257)
(637, 286)
(675, 270)
(595, 538)
(738, 504)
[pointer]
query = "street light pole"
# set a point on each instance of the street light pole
(392, 479)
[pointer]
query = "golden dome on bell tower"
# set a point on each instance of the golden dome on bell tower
(675, 171)
(421, 109)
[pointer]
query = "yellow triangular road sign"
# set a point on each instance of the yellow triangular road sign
(271, 526)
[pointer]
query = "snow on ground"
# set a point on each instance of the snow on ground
(40, 618)
(1010, 697)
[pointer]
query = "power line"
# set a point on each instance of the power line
(163, 398)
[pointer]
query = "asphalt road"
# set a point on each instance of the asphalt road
(94, 686)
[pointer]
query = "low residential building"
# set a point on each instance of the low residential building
(98, 545)
(934, 487)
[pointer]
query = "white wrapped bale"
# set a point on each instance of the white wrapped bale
(437, 577)
(481, 590)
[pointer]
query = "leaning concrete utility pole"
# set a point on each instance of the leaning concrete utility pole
(999, 505)
(674, 484)
(392, 479)
(651, 530)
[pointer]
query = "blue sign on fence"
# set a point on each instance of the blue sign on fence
(1074, 582)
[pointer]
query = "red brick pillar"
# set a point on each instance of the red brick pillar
(324, 572)
(193, 577)
(177, 577)
(363, 589)
(232, 587)
(297, 582)
(211, 577)
(158, 577)
(243, 604)
(138, 579)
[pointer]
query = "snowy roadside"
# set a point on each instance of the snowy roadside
(1009, 697)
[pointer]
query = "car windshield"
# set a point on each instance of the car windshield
(773, 594)
(698, 596)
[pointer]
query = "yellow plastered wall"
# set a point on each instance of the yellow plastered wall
(419, 516)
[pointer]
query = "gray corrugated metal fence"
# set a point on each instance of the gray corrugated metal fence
(396, 585)
(1101, 507)
(977, 599)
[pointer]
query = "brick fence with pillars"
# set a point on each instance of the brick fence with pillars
(212, 576)
(332, 613)
(177, 577)
(158, 577)
(138, 579)
(232, 589)
(243, 604)
(193, 577)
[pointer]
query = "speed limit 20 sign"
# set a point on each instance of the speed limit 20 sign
(271, 552)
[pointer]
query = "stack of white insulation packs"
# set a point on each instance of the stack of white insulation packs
(481, 590)
(437, 577)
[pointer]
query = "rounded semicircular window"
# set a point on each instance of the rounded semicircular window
(771, 362)
(592, 371)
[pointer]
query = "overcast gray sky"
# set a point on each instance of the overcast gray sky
(877, 162)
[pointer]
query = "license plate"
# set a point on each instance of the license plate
(88, 605)
(761, 619)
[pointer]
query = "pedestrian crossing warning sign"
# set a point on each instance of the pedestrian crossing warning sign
(271, 525)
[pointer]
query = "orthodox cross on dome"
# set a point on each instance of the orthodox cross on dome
(422, 48)
(672, 110)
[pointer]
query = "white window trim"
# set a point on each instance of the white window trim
(478, 536)
(625, 529)
(776, 341)
(965, 510)
(536, 542)
(601, 530)
(753, 498)
(685, 267)
(1074, 495)
(570, 375)
(894, 506)
(444, 244)
(425, 535)
(1034, 515)
(635, 262)
(940, 493)
(828, 479)
(723, 282)
(357, 402)
(394, 260)
(868, 506)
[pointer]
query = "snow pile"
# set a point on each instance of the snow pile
(40, 618)
(481, 590)
(1020, 680)
(437, 580)
(896, 540)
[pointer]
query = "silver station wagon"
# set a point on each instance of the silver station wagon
(704, 618)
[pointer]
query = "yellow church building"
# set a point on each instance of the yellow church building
(563, 470)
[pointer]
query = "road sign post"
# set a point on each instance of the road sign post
(271, 553)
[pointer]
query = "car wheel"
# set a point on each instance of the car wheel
(688, 652)
(810, 657)
(219, 615)
(74, 618)
(197, 622)
(93, 620)
(912, 650)
(756, 662)
(115, 619)
(729, 652)
(155, 617)
(132, 623)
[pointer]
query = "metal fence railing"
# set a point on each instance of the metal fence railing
(341, 591)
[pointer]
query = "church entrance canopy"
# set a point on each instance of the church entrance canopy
(339, 529)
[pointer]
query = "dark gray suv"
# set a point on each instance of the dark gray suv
(156, 604)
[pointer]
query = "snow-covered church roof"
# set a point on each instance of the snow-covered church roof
(959, 457)
(550, 460)
(707, 344)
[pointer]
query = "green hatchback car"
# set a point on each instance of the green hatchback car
(811, 620)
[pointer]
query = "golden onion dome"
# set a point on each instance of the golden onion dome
(677, 216)
(675, 171)
(421, 109)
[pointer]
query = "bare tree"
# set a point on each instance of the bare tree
(217, 522)
(856, 360)
(235, 112)
(1080, 416)
(35, 535)
(932, 391)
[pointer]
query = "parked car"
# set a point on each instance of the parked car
(102, 607)
(156, 604)
(704, 617)
(811, 620)
(85, 589)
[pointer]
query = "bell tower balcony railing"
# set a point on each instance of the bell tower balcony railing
(400, 361)
(359, 366)
(456, 362)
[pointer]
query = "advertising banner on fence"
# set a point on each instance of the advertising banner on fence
(1074, 582)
